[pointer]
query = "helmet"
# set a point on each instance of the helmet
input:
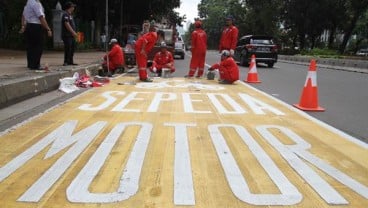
(230, 17)
(113, 41)
(197, 24)
(163, 44)
(225, 53)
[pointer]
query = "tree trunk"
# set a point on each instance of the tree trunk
(331, 38)
(313, 41)
(348, 33)
(302, 41)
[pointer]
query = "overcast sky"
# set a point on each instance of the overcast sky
(189, 8)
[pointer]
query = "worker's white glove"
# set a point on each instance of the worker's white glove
(154, 69)
(231, 52)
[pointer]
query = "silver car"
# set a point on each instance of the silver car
(179, 48)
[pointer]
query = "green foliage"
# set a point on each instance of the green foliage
(120, 13)
(293, 22)
(85, 46)
(289, 51)
(322, 53)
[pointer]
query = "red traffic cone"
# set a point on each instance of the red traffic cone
(309, 98)
(252, 73)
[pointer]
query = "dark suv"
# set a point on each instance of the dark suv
(261, 46)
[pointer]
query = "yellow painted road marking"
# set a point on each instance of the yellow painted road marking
(176, 142)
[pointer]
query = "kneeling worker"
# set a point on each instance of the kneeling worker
(163, 60)
(114, 59)
(228, 69)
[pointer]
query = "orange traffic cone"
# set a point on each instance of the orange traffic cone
(252, 73)
(309, 98)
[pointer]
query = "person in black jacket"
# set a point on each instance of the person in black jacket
(68, 33)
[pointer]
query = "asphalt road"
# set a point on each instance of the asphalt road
(343, 94)
(135, 144)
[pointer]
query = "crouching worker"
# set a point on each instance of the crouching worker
(163, 60)
(228, 69)
(114, 60)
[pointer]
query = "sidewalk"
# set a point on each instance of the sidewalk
(18, 83)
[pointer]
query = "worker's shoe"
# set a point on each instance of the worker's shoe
(188, 76)
(224, 82)
(146, 80)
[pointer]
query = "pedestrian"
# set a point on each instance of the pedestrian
(145, 27)
(33, 25)
(103, 41)
(68, 33)
(163, 59)
(228, 69)
(114, 60)
(229, 36)
(143, 46)
(198, 48)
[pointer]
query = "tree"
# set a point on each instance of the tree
(355, 10)
(361, 31)
(336, 14)
(263, 17)
(213, 13)
(120, 12)
(306, 18)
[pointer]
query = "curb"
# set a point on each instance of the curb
(359, 66)
(33, 84)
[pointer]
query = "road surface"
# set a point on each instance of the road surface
(180, 142)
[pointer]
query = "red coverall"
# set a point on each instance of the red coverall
(229, 38)
(116, 58)
(228, 69)
(142, 47)
(199, 48)
(163, 59)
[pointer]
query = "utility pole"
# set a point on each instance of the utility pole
(107, 37)
(107, 25)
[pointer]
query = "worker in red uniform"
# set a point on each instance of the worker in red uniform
(162, 59)
(114, 59)
(143, 46)
(228, 69)
(229, 36)
(199, 48)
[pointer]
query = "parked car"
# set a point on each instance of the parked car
(179, 48)
(263, 47)
(362, 52)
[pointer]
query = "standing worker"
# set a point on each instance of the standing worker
(199, 48)
(68, 33)
(143, 46)
(229, 36)
(33, 25)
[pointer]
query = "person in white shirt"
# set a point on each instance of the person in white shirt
(33, 26)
